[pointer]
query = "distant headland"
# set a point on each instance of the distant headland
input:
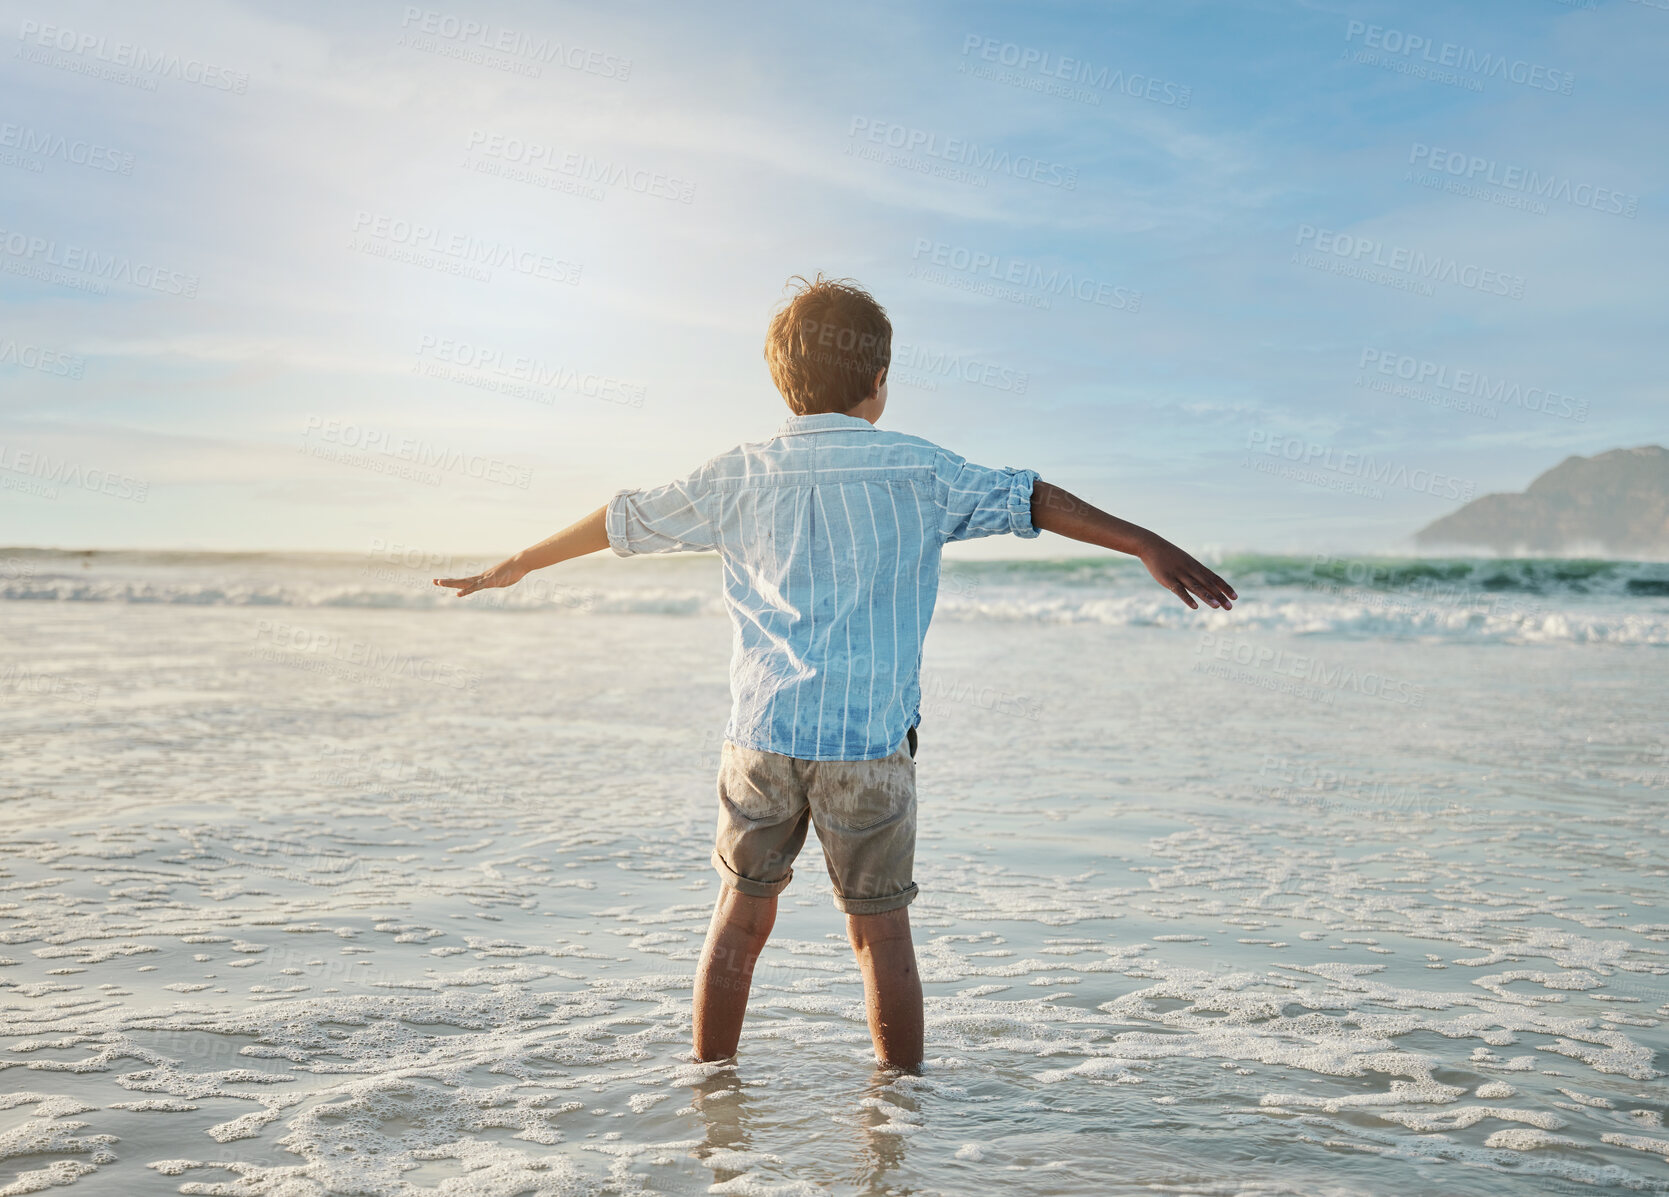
(1613, 504)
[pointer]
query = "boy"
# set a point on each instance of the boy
(830, 535)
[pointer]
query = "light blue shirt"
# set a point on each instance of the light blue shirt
(830, 534)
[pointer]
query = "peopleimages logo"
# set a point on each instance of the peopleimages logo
(1376, 584)
(77, 151)
(582, 168)
(1477, 170)
(20, 679)
(359, 444)
(520, 376)
(422, 243)
(331, 653)
(49, 473)
(1472, 383)
(481, 36)
(1347, 791)
(43, 253)
(36, 357)
(1305, 455)
(1076, 72)
(147, 64)
(937, 690)
(960, 152)
(1020, 273)
(1413, 49)
(907, 357)
(1366, 253)
(1310, 670)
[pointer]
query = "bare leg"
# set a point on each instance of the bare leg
(735, 937)
(891, 985)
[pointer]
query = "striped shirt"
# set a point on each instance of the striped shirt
(830, 534)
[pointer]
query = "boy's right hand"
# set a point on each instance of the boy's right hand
(1181, 574)
(505, 573)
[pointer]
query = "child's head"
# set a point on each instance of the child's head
(828, 346)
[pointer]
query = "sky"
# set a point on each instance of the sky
(1285, 277)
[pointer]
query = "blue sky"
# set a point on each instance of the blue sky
(1213, 227)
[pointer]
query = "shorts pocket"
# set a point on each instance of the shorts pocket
(757, 786)
(864, 794)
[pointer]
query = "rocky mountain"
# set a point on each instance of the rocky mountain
(1613, 504)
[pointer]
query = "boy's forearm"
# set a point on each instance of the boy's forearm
(1062, 512)
(1056, 510)
(588, 535)
(576, 540)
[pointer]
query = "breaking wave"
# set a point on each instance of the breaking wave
(1509, 601)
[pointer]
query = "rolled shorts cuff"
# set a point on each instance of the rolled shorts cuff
(747, 885)
(875, 905)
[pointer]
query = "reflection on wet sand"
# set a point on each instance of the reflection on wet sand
(723, 1106)
(882, 1113)
(887, 1116)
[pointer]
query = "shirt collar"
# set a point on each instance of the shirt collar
(823, 421)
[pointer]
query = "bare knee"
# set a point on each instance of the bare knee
(745, 915)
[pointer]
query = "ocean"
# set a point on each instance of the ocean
(316, 880)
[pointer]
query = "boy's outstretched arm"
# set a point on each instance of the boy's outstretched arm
(576, 540)
(1056, 510)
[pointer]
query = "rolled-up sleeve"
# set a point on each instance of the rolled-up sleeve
(675, 518)
(979, 501)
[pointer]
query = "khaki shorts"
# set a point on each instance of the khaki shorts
(864, 812)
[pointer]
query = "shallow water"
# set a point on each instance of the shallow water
(379, 898)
